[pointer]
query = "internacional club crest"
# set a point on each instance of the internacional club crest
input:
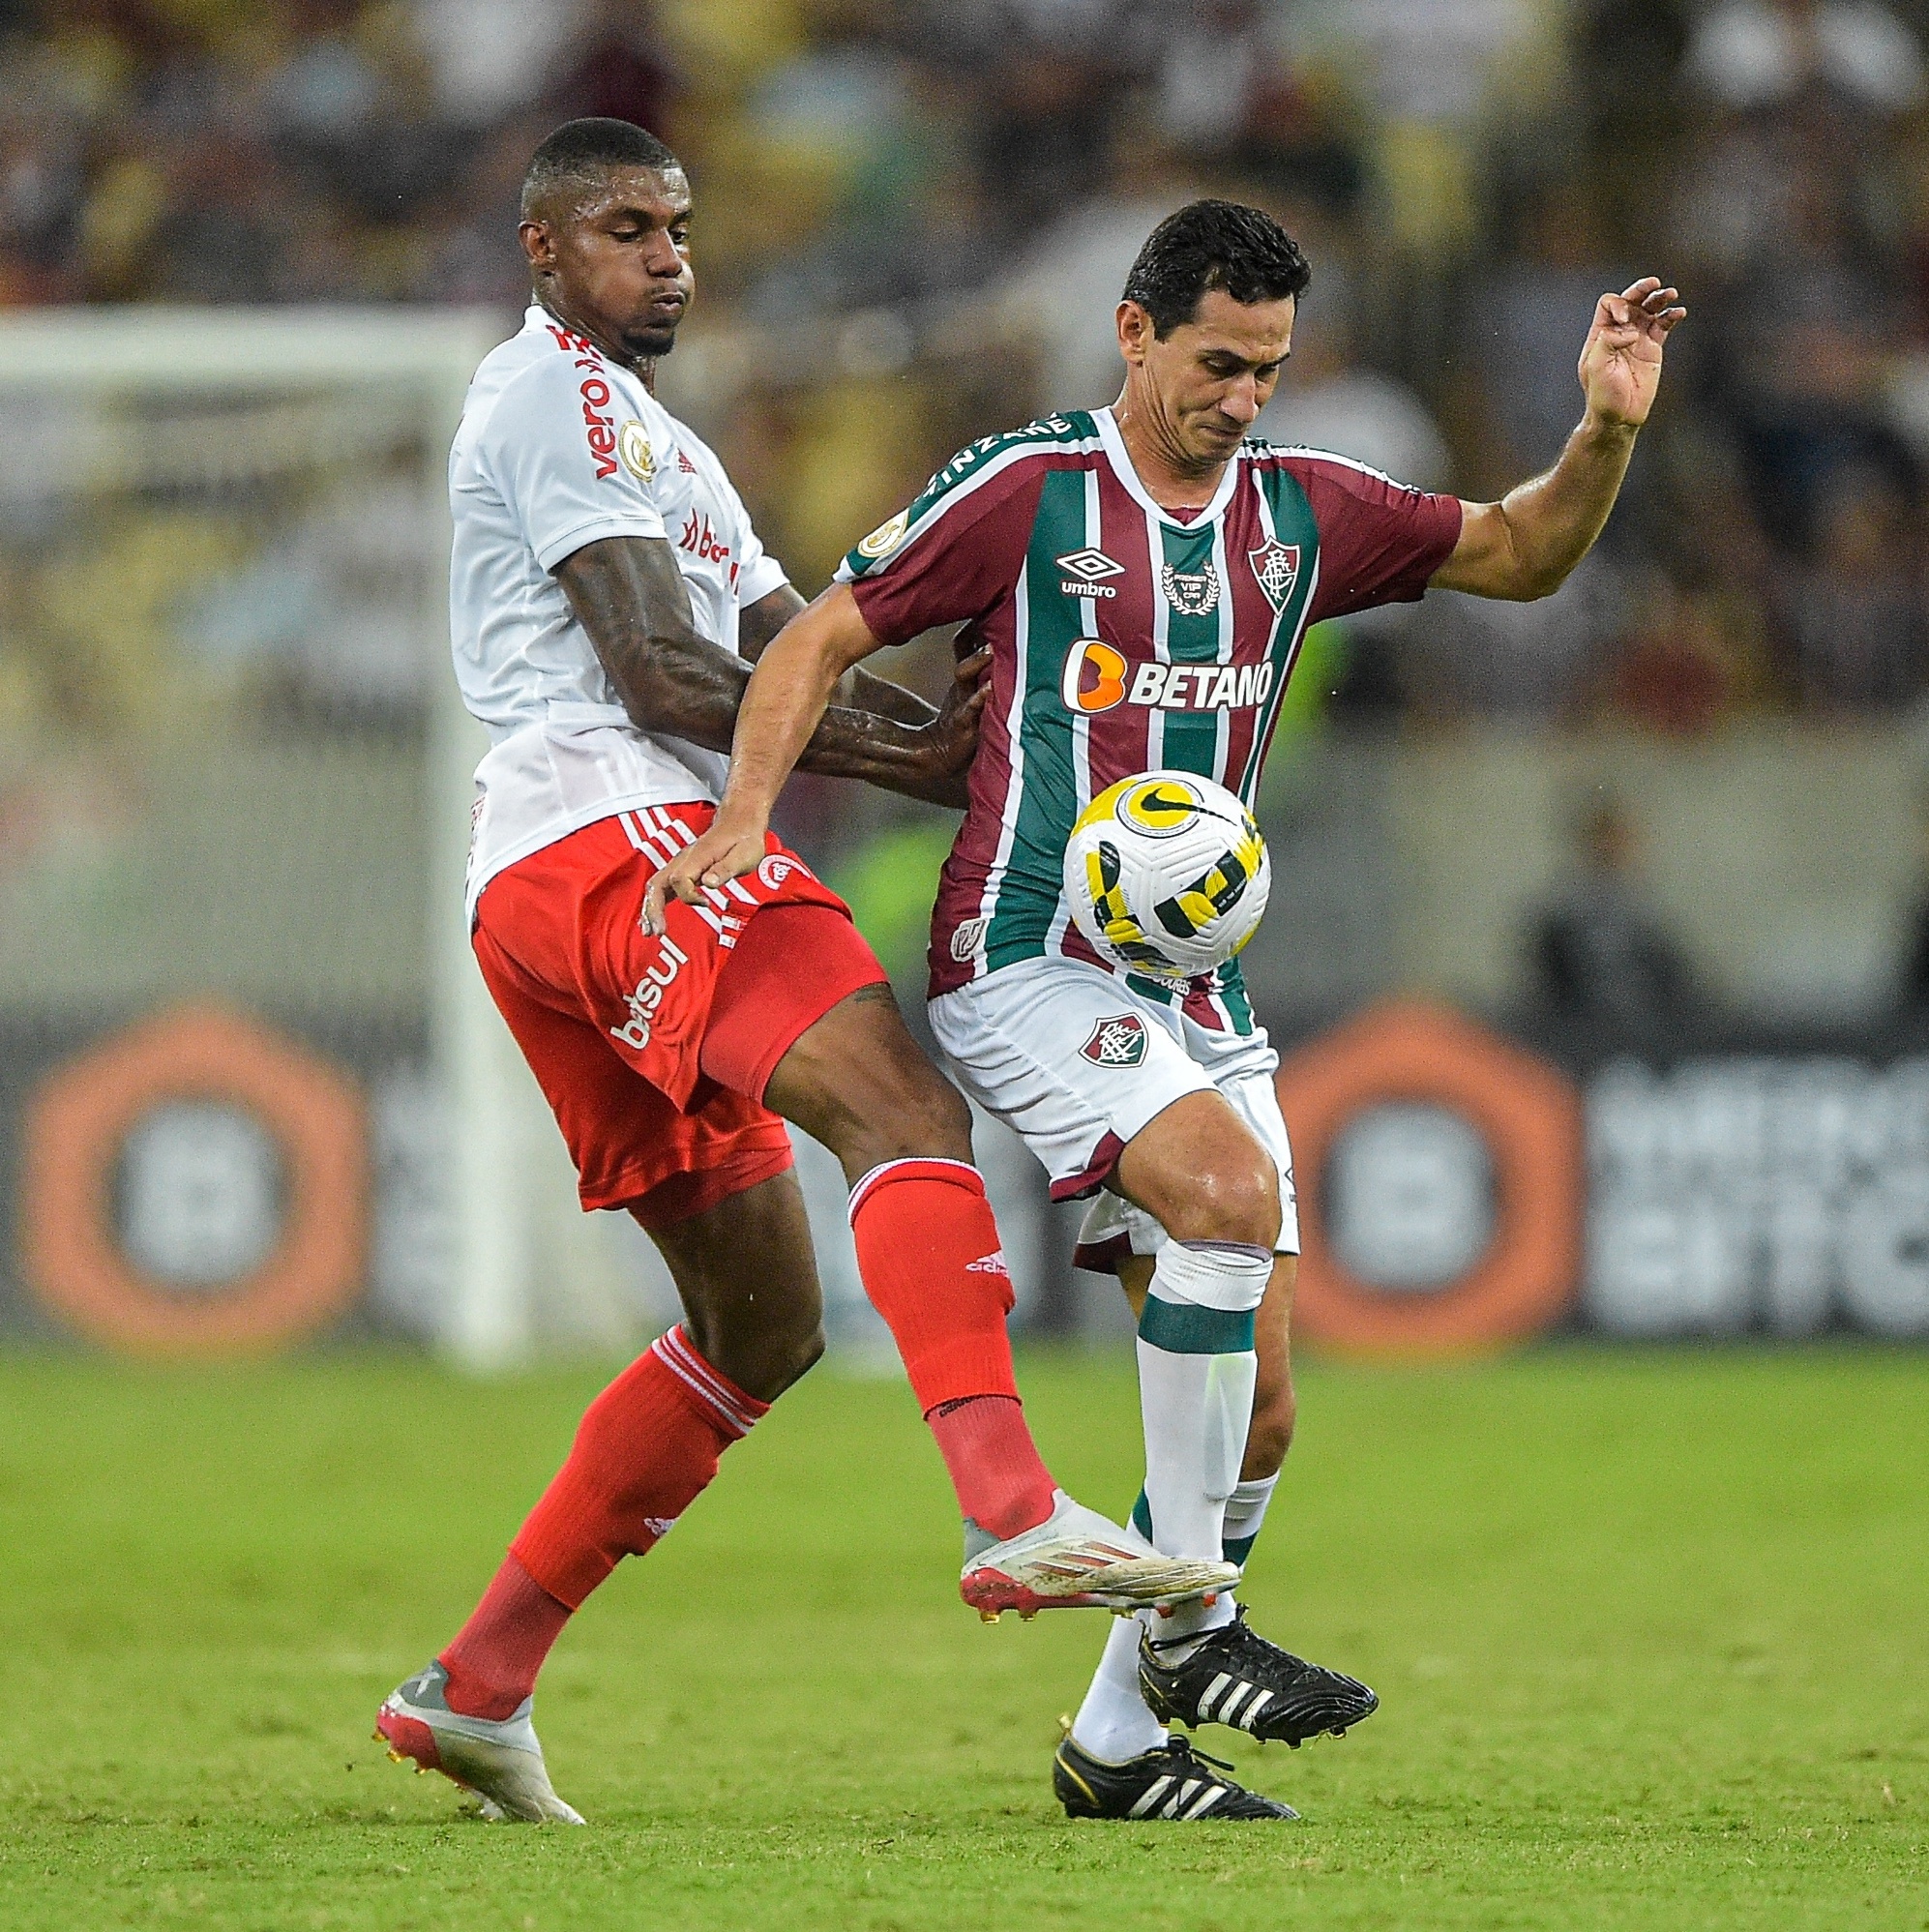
(1192, 593)
(1119, 1041)
(1276, 565)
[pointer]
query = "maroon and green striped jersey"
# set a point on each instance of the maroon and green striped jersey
(1124, 638)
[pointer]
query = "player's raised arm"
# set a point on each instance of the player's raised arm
(631, 598)
(1524, 546)
(781, 715)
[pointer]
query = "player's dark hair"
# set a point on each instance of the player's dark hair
(580, 153)
(1213, 245)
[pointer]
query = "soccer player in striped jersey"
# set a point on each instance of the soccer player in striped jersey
(1142, 577)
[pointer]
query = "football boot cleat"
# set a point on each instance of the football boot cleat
(1175, 1781)
(499, 1760)
(1076, 1559)
(1235, 1677)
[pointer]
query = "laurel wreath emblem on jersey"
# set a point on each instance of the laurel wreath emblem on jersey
(886, 537)
(1276, 566)
(1191, 593)
(633, 445)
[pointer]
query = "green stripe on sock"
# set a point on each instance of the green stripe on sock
(1184, 1328)
(1141, 1516)
(1238, 1547)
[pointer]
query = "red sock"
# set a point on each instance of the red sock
(645, 1449)
(928, 1250)
(1001, 1485)
(493, 1661)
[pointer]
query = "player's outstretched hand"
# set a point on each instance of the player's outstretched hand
(719, 856)
(1621, 360)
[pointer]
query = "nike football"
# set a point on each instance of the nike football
(1167, 873)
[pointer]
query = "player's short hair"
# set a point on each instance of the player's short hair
(1214, 245)
(581, 155)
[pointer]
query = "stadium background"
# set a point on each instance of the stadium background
(1667, 831)
(1598, 947)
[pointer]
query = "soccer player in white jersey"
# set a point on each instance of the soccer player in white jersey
(607, 596)
(1142, 577)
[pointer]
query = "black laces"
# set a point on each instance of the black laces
(1242, 1643)
(1221, 1633)
(1191, 1754)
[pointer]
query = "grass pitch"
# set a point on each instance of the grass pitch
(1650, 1632)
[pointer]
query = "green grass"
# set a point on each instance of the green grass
(1649, 1631)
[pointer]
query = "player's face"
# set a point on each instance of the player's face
(1211, 376)
(620, 262)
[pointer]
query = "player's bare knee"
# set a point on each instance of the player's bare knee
(794, 1357)
(761, 1358)
(920, 1114)
(946, 1117)
(1232, 1199)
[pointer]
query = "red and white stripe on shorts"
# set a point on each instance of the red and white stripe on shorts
(660, 834)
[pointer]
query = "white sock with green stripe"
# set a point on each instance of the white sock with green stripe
(1245, 1514)
(1113, 1723)
(1197, 1370)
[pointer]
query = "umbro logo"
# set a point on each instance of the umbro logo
(1086, 572)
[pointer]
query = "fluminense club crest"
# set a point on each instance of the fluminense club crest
(1192, 593)
(1115, 1041)
(1276, 565)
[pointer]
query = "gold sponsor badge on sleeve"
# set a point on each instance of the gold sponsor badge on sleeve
(633, 445)
(886, 537)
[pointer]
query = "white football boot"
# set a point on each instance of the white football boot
(499, 1760)
(1077, 1560)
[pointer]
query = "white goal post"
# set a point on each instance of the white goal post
(235, 402)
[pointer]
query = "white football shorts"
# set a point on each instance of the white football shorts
(1076, 1063)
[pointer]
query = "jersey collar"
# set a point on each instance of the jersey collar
(1113, 445)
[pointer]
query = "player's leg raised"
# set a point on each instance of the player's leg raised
(850, 1075)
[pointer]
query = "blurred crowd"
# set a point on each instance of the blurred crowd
(913, 221)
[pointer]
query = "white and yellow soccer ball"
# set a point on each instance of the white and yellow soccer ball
(1167, 873)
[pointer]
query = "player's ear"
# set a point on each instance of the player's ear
(539, 244)
(1135, 332)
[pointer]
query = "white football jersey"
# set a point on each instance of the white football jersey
(558, 447)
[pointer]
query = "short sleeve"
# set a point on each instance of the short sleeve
(758, 573)
(952, 554)
(572, 461)
(1379, 541)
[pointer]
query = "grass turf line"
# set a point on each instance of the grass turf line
(1648, 1631)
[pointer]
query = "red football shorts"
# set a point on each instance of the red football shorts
(654, 1052)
